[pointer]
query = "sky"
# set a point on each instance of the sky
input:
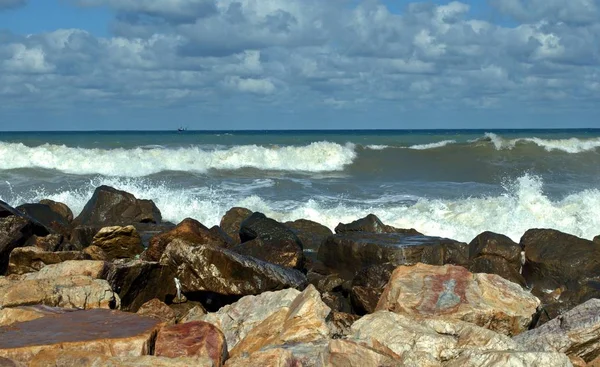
(298, 64)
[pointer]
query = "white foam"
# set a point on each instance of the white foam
(523, 206)
(138, 162)
(571, 145)
(438, 144)
(377, 147)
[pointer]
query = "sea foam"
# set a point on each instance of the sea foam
(571, 145)
(438, 144)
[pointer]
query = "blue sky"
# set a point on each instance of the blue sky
(290, 64)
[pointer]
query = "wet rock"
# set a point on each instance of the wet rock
(276, 357)
(118, 242)
(575, 333)
(13, 315)
(59, 208)
(271, 241)
(29, 259)
(83, 236)
(325, 283)
(336, 301)
(195, 338)
(452, 292)
(561, 269)
(111, 207)
(208, 268)
(73, 292)
(232, 220)
(494, 253)
(189, 230)
(367, 287)
(112, 333)
(371, 224)
(48, 217)
(14, 232)
(311, 234)
(596, 239)
(138, 281)
(349, 252)
(159, 310)
(95, 253)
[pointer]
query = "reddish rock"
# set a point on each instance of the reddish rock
(232, 220)
(196, 338)
(159, 310)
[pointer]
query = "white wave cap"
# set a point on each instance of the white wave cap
(571, 145)
(438, 144)
(315, 157)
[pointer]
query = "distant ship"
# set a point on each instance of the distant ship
(181, 128)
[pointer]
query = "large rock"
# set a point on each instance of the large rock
(59, 208)
(48, 217)
(232, 222)
(494, 253)
(368, 285)
(276, 357)
(311, 234)
(346, 353)
(15, 230)
(510, 358)
(576, 333)
(68, 358)
(266, 239)
(371, 224)
(70, 268)
(192, 339)
(189, 230)
(208, 268)
(159, 310)
(112, 333)
(561, 269)
(29, 259)
(349, 252)
(119, 242)
(111, 207)
(452, 292)
(237, 319)
(13, 315)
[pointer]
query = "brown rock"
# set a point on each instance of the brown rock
(350, 354)
(14, 232)
(95, 253)
(195, 313)
(27, 313)
(276, 357)
(452, 292)
(494, 253)
(232, 220)
(188, 311)
(371, 224)
(82, 236)
(59, 208)
(189, 230)
(368, 285)
(70, 268)
(112, 333)
(196, 338)
(45, 215)
(339, 324)
(119, 242)
(68, 358)
(311, 234)
(159, 310)
(49, 243)
(29, 259)
(510, 358)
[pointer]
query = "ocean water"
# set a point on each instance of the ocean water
(450, 183)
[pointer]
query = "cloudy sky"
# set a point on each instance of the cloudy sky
(264, 64)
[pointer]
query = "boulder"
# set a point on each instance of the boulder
(112, 333)
(68, 358)
(202, 268)
(48, 217)
(349, 252)
(83, 236)
(118, 242)
(29, 259)
(69, 268)
(271, 241)
(346, 353)
(575, 333)
(510, 358)
(371, 224)
(195, 313)
(232, 220)
(276, 357)
(368, 285)
(13, 315)
(494, 253)
(311, 234)
(159, 310)
(49, 243)
(189, 230)
(561, 269)
(339, 324)
(452, 292)
(59, 208)
(14, 232)
(111, 207)
(192, 339)
(95, 253)
(5, 362)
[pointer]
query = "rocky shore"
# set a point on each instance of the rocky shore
(117, 286)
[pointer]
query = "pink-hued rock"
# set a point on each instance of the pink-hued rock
(196, 338)
(452, 292)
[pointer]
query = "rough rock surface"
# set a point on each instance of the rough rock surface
(45, 215)
(494, 253)
(371, 224)
(197, 338)
(575, 333)
(232, 222)
(112, 333)
(95, 253)
(118, 242)
(89, 268)
(276, 357)
(27, 313)
(311, 234)
(208, 268)
(14, 232)
(511, 358)
(29, 259)
(111, 207)
(195, 313)
(60, 208)
(189, 230)
(367, 287)
(159, 310)
(69, 358)
(349, 252)
(452, 292)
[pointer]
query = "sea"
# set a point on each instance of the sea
(447, 183)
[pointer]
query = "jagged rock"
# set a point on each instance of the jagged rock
(48, 217)
(5, 362)
(271, 241)
(325, 283)
(596, 239)
(311, 234)
(368, 285)
(49, 243)
(189, 230)
(494, 253)
(349, 252)
(336, 301)
(112, 333)
(27, 313)
(159, 310)
(111, 207)
(29, 259)
(119, 242)
(339, 324)
(561, 269)
(196, 338)
(15, 230)
(371, 224)
(82, 236)
(304, 321)
(232, 220)
(510, 358)
(277, 357)
(575, 333)
(95, 253)
(452, 292)
(60, 208)
(138, 281)
(195, 313)
(72, 292)
(68, 358)
(345, 353)
(208, 268)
